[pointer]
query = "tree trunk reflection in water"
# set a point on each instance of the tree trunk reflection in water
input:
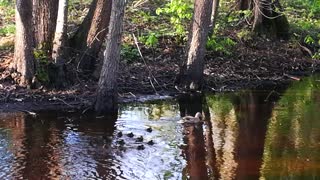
(235, 134)
(252, 115)
(42, 149)
(193, 137)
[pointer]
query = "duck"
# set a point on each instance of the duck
(121, 142)
(139, 139)
(150, 143)
(149, 129)
(119, 134)
(191, 120)
(141, 147)
(130, 135)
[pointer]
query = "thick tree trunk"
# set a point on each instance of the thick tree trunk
(60, 39)
(98, 28)
(23, 51)
(107, 93)
(44, 18)
(193, 76)
(268, 20)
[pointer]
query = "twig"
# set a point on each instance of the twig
(55, 98)
(306, 49)
(292, 77)
(149, 70)
(267, 98)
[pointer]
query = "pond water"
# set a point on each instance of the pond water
(246, 135)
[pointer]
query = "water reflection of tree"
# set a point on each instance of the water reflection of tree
(224, 129)
(40, 150)
(12, 136)
(238, 126)
(292, 146)
(193, 138)
(253, 113)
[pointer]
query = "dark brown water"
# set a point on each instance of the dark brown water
(247, 135)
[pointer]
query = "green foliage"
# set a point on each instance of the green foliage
(151, 40)
(220, 44)
(310, 8)
(7, 30)
(245, 34)
(7, 11)
(129, 53)
(237, 15)
(144, 17)
(180, 13)
(43, 63)
(5, 3)
(303, 15)
(314, 42)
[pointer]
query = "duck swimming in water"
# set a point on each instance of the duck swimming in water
(191, 120)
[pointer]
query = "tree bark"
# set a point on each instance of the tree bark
(23, 51)
(107, 97)
(268, 21)
(193, 76)
(79, 40)
(244, 4)
(214, 16)
(98, 22)
(44, 19)
(60, 39)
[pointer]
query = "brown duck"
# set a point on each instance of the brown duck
(191, 120)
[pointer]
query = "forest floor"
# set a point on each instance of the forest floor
(260, 64)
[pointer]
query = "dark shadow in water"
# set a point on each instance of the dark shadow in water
(209, 146)
(193, 138)
(252, 115)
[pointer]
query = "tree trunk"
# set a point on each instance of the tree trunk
(98, 28)
(268, 20)
(60, 39)
(193, 76)
(106, 101)
(79, 40)
(44, 18)
(23, 51)
(244, 4)
(214, 15)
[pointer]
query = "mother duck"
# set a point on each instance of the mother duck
(191, 120)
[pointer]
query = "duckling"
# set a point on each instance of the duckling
(150, 143)
(119, 134)
(149, 129)
(191, 120)
(121, 142)
(139, 139)
(130, 135)
(141, 147)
